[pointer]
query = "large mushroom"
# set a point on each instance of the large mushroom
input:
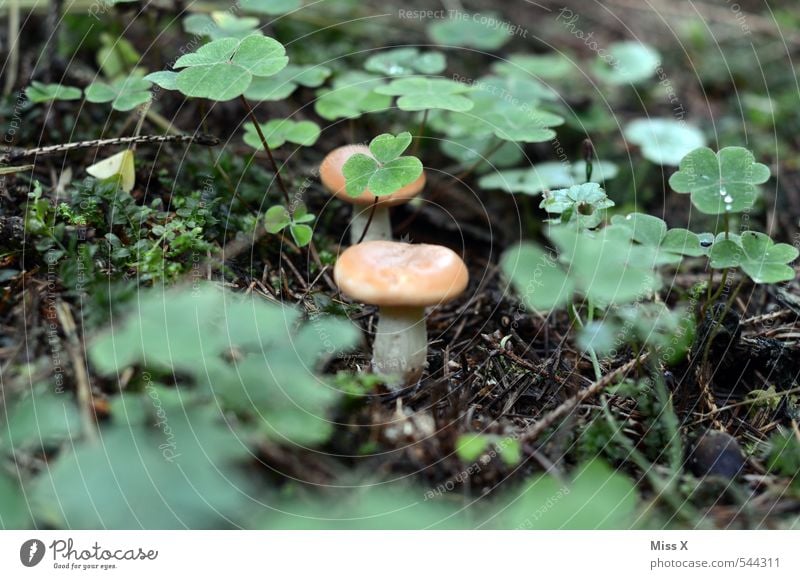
(402, 279)
(332, 178)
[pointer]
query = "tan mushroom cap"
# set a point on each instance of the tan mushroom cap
(330, 172)
(390, 273)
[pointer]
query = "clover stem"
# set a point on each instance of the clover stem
(370, 224)
(400, 348)
(576, 318)
(263, 140)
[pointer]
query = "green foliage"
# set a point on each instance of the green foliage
(470, 447)
(721, 182)
(124, 94)
(595, 498)
(483, 31)
(271, 7)
(223, 69)
(282, 84)
(420, 93)
(117, 57)
(537, 277)
(166, 462)
(406, 61)
(278, 218)
(783, 455)
(763, 260)
(652, 231)
(472, 151)
(352, 95)
(545, 66)
(627, 63)
(385, 171)
(220, 24)
(280, 131)
(664, 141)
(583, 204)
(39, 92)
(547, 175)
(14, 512)
(270, 384)
(38, 421)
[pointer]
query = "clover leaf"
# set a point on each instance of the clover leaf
(385, 171)
(664, 141)
(721, 182)
(405, 61)
(284, 83)
(484, 31)
(39, 92)
(166, 79)
(220, 24)
(583, 204)
(606, 266)
(352, 95)
(763, 260)
(652, 231)
(124, 94)
(537, 276)
(539, 66)
(223, 69)
(278, 218)
(420, 93)
(469, 152)
(279, 131)
(547, 175)
(271, 7)
(627, 63)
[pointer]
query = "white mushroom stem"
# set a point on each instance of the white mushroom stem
(379, 229)
(401, 345)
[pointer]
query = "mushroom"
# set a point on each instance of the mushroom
(402, 279)
(330, 172)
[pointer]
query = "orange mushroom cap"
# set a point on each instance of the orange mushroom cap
(330, 172)
(390, 273)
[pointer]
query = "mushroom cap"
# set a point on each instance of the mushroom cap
(330, 172)
(390, 273)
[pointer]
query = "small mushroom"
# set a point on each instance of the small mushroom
(402, 279)
(330, 173)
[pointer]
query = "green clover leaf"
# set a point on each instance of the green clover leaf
(280, 131)
(547, 175)
(352, 95)
(484, 31)
(538, 66)
(652, 231)
(166, 79)
(664, 141)
(720, 182)
(278, 218)
(763, 260)
(284, 83)
(39, 92)
(469, 151)
(627, 63)
(420, 93)
(405, 61)
(124, 94)
(223, 69)
(271, 7)
(220, 24)
(583, 204)
(537, 277)
(385, 171)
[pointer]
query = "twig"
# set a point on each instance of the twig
(205, 140)
(567, 406)
(83, 388)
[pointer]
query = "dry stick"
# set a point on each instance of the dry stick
(263, 139)
(206, 140)
(83, 388)
(567, 406)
